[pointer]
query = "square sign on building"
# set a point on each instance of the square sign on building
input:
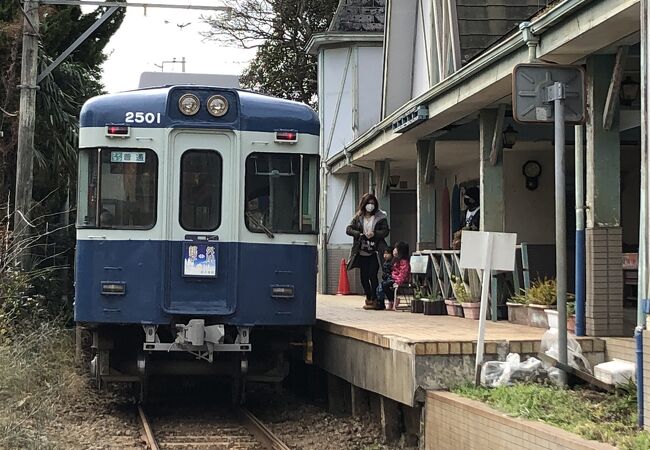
(534, 88)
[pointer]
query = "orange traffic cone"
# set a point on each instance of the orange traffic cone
(344, 284)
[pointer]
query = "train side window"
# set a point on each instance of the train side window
(281, 193)
(201, 178)
(117, 188)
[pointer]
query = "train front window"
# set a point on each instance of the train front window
(117, 188)
(281, 193)
(201, 174)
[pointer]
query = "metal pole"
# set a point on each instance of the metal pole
(98, 23)
(485, 289)
(580, 231)
(26, 121)
(558, 96)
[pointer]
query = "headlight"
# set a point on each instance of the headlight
(217, 105)
(189, 104)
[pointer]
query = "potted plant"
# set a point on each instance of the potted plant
(434, 306)
(542, 297)
(417, 305)
(450, 304)
(471, 306)
(571, 316)
(518, 309)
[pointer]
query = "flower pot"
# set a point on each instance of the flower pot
(417, 305)
(450, 304)
(517, 313)
(472, 310)
(571, 324)
(552, 318)
(537, 317)
(434, 307)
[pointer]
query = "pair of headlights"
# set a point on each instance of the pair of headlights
(189, 104)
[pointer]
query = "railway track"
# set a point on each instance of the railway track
(208, 429)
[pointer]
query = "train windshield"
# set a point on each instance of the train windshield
(281, 193)
(117, 188)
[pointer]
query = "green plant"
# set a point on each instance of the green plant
(460, 290)
(541, 292)
(594, 415)
(570, 308)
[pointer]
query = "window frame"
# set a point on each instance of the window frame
(180, 190)
(98, 207)
(300, 176)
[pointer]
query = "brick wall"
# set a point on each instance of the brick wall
(453, 422)
(604, 283)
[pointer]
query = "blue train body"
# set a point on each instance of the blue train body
(197, 223)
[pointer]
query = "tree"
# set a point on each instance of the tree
(59, 101)
(280, 30)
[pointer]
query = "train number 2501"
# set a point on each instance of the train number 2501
(142, 117)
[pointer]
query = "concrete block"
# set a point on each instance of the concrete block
(338, 395)
(359, 401)
(390, 419)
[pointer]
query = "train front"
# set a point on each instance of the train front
(196, 232)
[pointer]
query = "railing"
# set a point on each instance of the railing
(443, 266)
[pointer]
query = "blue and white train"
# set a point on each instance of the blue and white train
(197, 226)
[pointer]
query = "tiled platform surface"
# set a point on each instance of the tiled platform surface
(426, 335)
(401, 355)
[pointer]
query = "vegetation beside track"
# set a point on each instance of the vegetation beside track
(609, 418)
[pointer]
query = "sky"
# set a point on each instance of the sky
(146, 40)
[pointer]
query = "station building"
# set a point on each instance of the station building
(415, 104)
(415, 98)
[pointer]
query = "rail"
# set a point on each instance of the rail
(252, 424)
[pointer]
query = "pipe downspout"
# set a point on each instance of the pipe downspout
(371, 172)
(580, 232)
(530, 40)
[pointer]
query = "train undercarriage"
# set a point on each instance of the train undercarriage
(132, 354)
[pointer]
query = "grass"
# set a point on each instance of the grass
(609, 418)
(37, 379)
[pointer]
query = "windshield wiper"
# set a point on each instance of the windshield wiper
(259, 224)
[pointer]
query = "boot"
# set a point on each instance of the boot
(369, 302)
(381, 305)
(371, 306)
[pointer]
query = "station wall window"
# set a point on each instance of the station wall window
(281, 193)
(117, 188)
(201, 180)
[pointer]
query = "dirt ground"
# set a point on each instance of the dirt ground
(107, 420)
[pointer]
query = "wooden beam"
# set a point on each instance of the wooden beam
(430, 167)
(497, 136)
(612, 101)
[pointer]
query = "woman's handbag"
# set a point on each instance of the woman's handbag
(367, 245)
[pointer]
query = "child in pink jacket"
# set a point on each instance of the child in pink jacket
(401, 273)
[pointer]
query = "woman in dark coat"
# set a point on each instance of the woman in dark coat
(369, 228)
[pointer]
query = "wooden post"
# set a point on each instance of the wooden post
(492, 186)
(426, 195)
(26, 122)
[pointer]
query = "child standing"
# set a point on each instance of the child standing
(386, 280)
(400, 273)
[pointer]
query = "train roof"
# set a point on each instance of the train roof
(248, 111)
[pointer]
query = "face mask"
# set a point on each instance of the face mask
(370, 207)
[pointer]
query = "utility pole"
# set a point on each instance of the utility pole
(26, 121)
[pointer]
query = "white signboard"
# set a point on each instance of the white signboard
(419, 264)
(487, 251)
(474, 250)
